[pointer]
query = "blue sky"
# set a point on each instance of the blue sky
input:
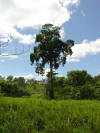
(79, 19)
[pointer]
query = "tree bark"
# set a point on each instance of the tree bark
(51, 91)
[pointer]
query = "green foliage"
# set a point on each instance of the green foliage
(79, 78)
(77, 85)
(35, 89)
(97, 93)
(20, 81)
(64, 92)
(11, 89)
(97, 87)
(9, 78)
(87, 92)
(59, 81)
(97, 78)
(50, 50)
(28, 115)
(1, 78)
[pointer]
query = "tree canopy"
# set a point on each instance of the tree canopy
(79, 78)
(50, 50)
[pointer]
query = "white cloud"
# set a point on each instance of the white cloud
(69, 2)
(23, 38)
(11, 57)
(32, 13)
(1, 75)
(85, 48)
(62, 33)
(27, 39)
(12, 33)
(29, 76)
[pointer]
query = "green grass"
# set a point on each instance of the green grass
(28, 115)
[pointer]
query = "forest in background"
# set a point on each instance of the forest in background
(76, 85)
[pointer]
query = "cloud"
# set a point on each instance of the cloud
(10, 57)
(1, 60)
(33, 13)
(1, 75)
(84, 49)
(83, 13)
(23, 38)
(29, 76)
(12, 33)
(62, 33)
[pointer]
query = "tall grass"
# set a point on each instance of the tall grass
(28, 115)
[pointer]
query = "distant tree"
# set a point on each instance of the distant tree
(79, 78)
(50, 50)
(20, 81)
(59, 81)
(87, 92)
(97, 78)
(1, 78)
(9, 78)
(97, 93)
(97, 86)
(31, 81)
(11, 89)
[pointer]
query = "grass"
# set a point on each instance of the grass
(29, 115)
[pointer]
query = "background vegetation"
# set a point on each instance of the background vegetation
(76, 85)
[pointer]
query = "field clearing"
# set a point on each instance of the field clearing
(29, 115)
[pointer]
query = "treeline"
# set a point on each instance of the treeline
(18, 87)
(76, 85)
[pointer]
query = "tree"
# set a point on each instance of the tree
(51, 50)
(97, 93)
(87, 92)
(20, 81)
(59, 81)
(10, 78)
(79, 78)
(11, 89)
(97, 79)
(1, 78)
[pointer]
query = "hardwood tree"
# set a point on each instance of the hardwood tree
(50, 50)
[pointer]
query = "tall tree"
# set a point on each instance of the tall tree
(50, 50)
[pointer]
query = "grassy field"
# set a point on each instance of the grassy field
(28, 115)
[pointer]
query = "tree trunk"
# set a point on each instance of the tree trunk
(51, 91)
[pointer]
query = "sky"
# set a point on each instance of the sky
(22, 20)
